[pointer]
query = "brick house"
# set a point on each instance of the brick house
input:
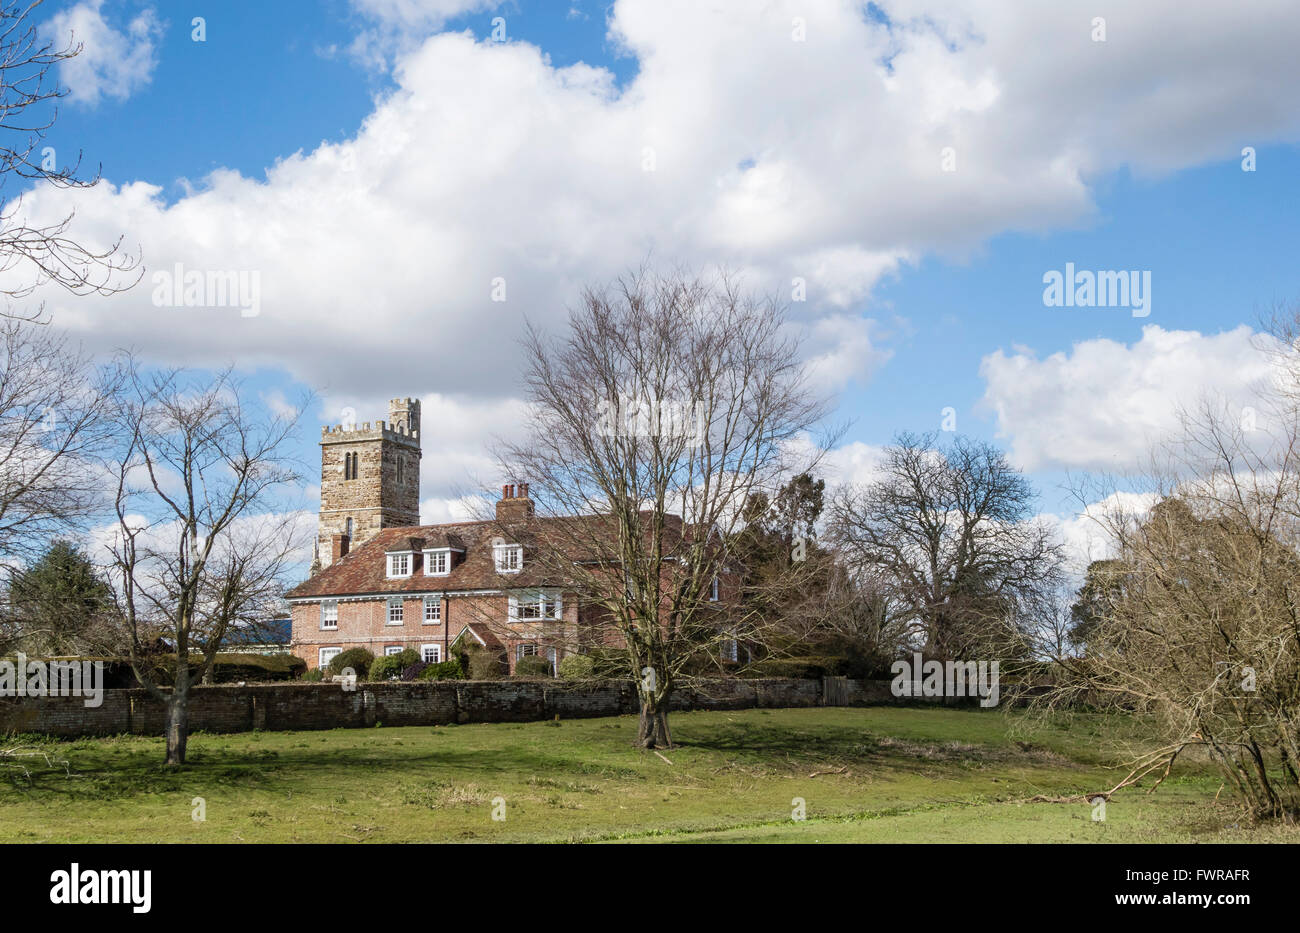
(383, 582)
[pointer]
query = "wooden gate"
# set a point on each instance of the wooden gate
(835, 691)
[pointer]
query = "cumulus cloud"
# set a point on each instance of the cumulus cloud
(113, 62)
(817, 152)
(1104, 404)
(1084, 534)
(395, 26)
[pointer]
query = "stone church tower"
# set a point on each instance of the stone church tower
(369, 479)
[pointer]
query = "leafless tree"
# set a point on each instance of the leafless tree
(33, 255)
(198, 546)
(667, 403)
(56, 418)
(948, 534)
(1199, 628)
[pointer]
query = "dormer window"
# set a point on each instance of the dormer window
(437, 562)
(399, 565)
(509, 558)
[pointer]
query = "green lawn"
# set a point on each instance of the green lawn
(866, 775)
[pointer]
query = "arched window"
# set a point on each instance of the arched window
(349, 466)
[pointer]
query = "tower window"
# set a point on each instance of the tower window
(349, 466)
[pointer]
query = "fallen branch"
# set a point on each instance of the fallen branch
(1164, 756)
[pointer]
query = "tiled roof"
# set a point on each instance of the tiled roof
(364, 569)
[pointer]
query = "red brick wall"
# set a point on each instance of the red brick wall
(363, 624)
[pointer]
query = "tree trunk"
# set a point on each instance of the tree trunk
(652, 730)
(178, 727)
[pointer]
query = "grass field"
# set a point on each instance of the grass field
(866, 775)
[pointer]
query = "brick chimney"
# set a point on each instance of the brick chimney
(515, 506)
(338, 546)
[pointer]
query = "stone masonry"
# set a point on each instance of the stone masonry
(385, 491)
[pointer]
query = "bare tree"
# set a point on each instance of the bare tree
(1198, 626)
(56, 419)
(198, 547)
(949, 534)
(42, 253)
(668, 402)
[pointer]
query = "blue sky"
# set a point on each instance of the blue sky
(779, 164)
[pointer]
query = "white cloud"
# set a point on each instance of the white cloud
(395, 26)
(1084, 534)
(818, 159)
(1103, 404)
(113, 62)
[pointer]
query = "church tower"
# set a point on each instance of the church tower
(369, 479)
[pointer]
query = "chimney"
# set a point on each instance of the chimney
(338, 546)
(515, 506)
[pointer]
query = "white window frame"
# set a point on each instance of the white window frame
(520, 653)
(434, 603)
(713, 590)
(390, 650)
(435, 649)
(398, 559)
(549, 605)
(441, 554)
(394, 602)
(329, 614)
(323, 658)
(504, 554)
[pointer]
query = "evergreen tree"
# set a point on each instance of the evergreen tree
(58, 603)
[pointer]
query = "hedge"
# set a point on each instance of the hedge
(359, 659)
(809, 667)
(533, 665)
(226, 668)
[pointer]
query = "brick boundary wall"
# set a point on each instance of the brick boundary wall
(297, 706)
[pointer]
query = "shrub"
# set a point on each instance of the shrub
(609, 663)
(444, 670)
(228, 668)
(533, 665)
(313, 676)
(482, 663)
(810, 667)
(577, 667)
(389, 667)
(414, 671)
(359, 659)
